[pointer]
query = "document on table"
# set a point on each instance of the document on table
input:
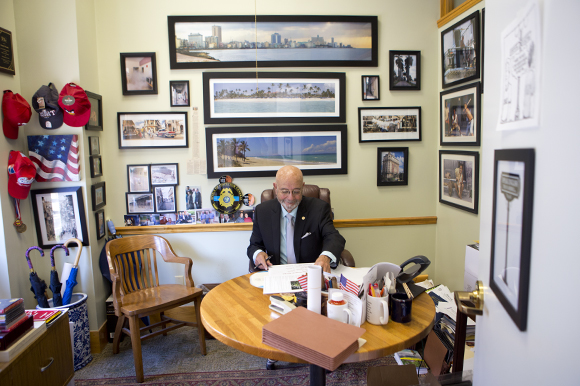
(284, 278)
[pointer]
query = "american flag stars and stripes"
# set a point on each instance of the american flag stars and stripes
(349, 286)
(56, 157)
(303, 280)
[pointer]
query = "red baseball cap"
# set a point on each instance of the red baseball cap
(16, 112)
(21, 173)
(74, 102)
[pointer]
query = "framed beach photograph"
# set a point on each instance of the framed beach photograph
(392, 166)
(511, 234)
(460, 116)
(140, 203)
(370, 87)
(459, 179)
(138, 178)
(165, 199)
(96, 118)
(274, 41)
(460, 59)
(179, 93)
(164, 174)
(138, 73)
(274, 97)
(96, 166)
(404, 70)
(100, 223)
(152, 130)
(384, 124)
(59, 215)
(94, 146)
(98, 195)
(261, 151)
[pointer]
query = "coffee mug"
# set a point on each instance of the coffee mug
(401, 307)
(339, 312)
(378, 310)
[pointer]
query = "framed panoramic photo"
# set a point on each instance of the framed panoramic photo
(511, 234)
(460, 116)
(460, 59)
(94, 147)
(138, 73)
(98, 195)
(370, 88)
(384, 124)
(138, 178)
(459, 179)
(59, 215)
(404, 70)
(165, 199)
(392, 166)
(96, 166)
(152, 130)
(164, 174)
(261, 151)
(274, 97)
(96, 118)
(274, 41)
(100, 223)
(179, 93)
(140, 203)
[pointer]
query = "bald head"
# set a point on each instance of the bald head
(288, 186)
(289, 172)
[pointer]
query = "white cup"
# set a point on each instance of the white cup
(378, 310)
(338, 312)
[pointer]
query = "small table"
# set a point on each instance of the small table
(234, 312)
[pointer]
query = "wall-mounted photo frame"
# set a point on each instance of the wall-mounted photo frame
(165, 199)
(261, 151)
(282, 41)
(96, 118)
(459, 179)
(274, 97)
(100, 223)
(98, 195)
(511, 234)
(138, 73)
(164, 174)
(94, 146)
(392, 166)
(59, 214)
(404, 70)
(149, 219)
(6, 52)
(459, 116)
(385, 124)
(179, 93)
(370, 88)
(140, 203)
(138, 178)
(152, 130)
(96, 166)
(193, 197)
(460, 56)
(56, 157)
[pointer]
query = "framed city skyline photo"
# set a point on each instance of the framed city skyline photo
(152, 130)
(179, 93)
(460, 56)
(384, 124)
(165, 174)
(370, 88)
(459, 179)
(138, 73)
(275, 41)
(460, 116)
(140, 203)
(404, 70)
(96, 118)
(392, 166)
(138, 178)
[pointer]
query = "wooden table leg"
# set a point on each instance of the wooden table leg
(317, 376)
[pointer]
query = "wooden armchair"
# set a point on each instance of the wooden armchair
(137, 293)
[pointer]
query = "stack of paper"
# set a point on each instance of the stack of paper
(312, 337)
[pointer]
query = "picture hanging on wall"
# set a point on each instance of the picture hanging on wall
(152, 130)
(6, 52)
(138, 179)
(392, 166)
(179, 93)
(384, 124)
(164, 174)
(96, 118)
(138, 73)
(404, 70)
(140, 203)
(370, 88)
(460, 116)
(94, 146)
(100, 223)
(165, 199)
(56, 157)
(96, 166)
(460, 59)
(98, 195)
(459, 179)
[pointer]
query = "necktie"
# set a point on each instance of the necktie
(290, 256)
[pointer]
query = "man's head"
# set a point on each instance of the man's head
(288, 186)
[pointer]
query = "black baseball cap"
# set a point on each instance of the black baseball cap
(45, 103)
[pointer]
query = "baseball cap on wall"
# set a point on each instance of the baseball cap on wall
(45, 103)
(16, 112)
(21, 173)
(75, 105)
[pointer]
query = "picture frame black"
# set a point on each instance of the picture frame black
(386, 124)
(404, 70)
(138, 73)
(139, 178)
(152, 130)
(94, 146)
(464, 196)
(100, 223)
(140, 203)
(179, 93)
(456, 106)
(96, 166)
(513, 204)
(457, 55)
(300, 29)
(165, 201)
(96, 118)
(229, 97)
(482, 47)
(98, 195)
(370, 88)
(164, 174)
(389, 161)
(70, 212)
(325, 145)
(6, 52)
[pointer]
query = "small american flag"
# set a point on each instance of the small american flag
(303, 280)
(349, 286)
(56, 157)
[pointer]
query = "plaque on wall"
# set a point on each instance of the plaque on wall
(6, 52)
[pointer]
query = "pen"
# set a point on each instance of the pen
(268, 258)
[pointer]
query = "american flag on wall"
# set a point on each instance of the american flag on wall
(56, 157)
(349, 286)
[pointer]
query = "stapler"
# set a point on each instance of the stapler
(280, 305)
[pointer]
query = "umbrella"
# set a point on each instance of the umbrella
(38, 285)
(55, 284)
(72, 278)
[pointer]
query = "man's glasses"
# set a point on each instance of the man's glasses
(286, 192)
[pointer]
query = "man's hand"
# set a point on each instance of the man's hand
(323, 261)
(261, 261)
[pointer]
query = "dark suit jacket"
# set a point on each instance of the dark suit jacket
(313, 216)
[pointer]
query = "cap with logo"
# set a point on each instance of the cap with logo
(74, 102)
(45, 103)
(21, 173)
(16, 112)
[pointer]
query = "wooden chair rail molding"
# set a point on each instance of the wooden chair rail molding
(231, 227)
(448, 13)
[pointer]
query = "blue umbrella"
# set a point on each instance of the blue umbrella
(38, 287)
(55, 284)
(72, 278)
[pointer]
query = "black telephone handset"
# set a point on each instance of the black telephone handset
(407, 275)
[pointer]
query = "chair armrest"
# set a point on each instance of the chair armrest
(188, 263)
(117, 298)
(346, 258)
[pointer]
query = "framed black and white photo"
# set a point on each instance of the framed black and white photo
(138, 73)
(98, 195)
(179, 93)
(140, 203)
(164, 174)
(152, 130)
(459, 116)
(100, 223)
(392, 166)
(459, 179)
(94, 146)
(138, 178)
(370, 88)
(460, 59)
(59, 214)
(404, 70)
(96, 118)
(165, 199)
(511, 235)
(384, 124)
(96, 166)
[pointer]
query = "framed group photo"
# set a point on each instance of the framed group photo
(152, 130)
(96, 118)
(179, 93)
(460, 116)
(384, 124)
(392, 166)
(460, 56)
(459, 179)
(404, 70)
(138, 73)
(370, 88)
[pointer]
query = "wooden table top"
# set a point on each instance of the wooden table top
(234, 312)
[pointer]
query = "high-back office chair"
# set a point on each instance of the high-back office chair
(137, 293)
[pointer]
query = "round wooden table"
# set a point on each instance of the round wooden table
(234, 312)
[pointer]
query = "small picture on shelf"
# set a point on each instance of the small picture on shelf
(148, 219)
(131, 220)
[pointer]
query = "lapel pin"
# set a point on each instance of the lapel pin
(303, 218)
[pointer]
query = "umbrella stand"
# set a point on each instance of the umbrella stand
(72, 278)
(55, 284)
(38, 286)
